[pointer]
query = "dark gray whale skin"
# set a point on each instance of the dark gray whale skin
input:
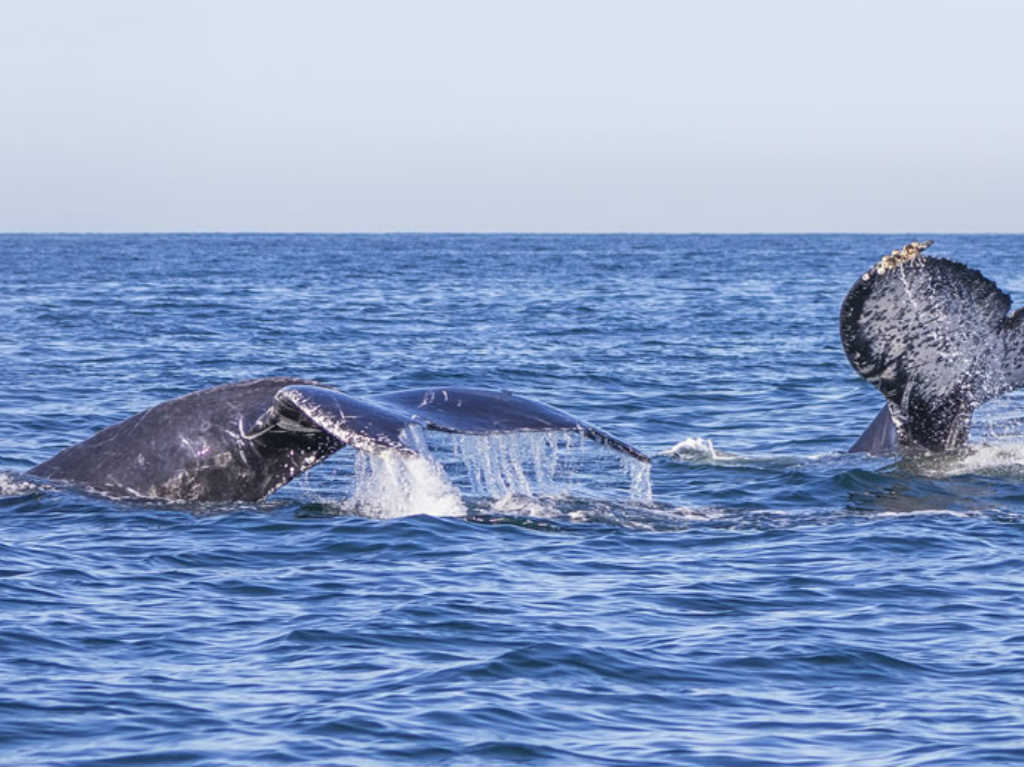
(192, 448)
(936, 338)
(880, 436)
(242, 441)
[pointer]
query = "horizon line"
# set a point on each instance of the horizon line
(496, 233)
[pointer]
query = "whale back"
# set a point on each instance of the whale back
(935, 338)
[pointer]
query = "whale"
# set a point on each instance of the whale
(243, 440)
(937, 339)
(934, 336)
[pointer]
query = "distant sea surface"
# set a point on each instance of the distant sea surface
(767, 599)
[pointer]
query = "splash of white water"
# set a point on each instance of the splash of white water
(501, 465)
(693, 448)
(1000, 459)
(700, 451)
(639, 473)
(394, 484)
(504, 467)
(534, 464)
(14, 484)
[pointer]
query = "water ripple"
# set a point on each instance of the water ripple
(772, 600)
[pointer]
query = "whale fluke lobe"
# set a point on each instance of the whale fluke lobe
(360, 423)
(880, 436)
(468, 410)
(935, 337)
(242, 441)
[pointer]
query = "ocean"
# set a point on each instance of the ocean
(760, 596)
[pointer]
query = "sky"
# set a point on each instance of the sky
(483, 116)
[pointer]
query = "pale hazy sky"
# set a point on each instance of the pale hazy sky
(441, 115)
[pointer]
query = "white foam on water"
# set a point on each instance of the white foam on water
(15, 484)
(701, 451)
(693, 448)
(1001, 459)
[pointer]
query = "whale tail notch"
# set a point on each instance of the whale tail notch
(936, 338)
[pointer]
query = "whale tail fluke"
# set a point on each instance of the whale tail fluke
(379, 423)
(469, 410)
(880, 436)
(242, 441)
(936, 338)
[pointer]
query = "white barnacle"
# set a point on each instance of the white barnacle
(899, 257)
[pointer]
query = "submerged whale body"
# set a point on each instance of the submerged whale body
(242, 441)
(936, 338)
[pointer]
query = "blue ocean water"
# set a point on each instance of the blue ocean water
(771, 599)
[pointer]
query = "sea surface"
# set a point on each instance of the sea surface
(761, 597)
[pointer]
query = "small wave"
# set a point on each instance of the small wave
(693, 449)
(934, 512)
(699, 450)
(564, 513)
